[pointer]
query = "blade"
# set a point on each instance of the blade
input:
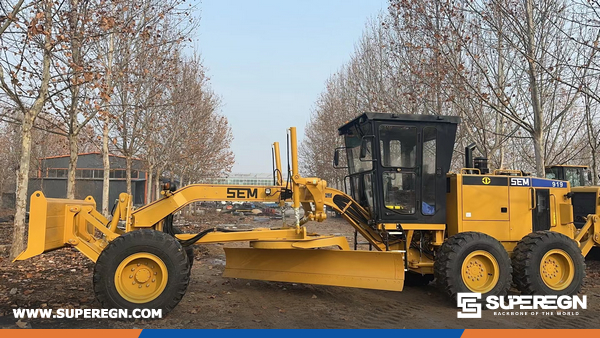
(360, 269)
(50, 225)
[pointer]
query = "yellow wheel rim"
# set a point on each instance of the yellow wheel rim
(480, 271)
(141, 277)
(557, 269)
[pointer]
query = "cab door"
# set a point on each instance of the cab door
(399, 167)
(541, 212)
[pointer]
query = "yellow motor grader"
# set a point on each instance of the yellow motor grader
(473, 231)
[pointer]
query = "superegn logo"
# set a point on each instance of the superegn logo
(471, 305)
(468, 301)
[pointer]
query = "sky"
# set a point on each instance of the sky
(269, 60)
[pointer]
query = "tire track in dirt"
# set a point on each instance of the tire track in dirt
(584, 319)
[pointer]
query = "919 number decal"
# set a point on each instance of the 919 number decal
(558, 184)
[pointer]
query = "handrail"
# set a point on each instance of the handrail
(508, 171)
(555, 211)
(467, 171)
(532, 199)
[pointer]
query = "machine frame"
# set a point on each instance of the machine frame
(393, 211)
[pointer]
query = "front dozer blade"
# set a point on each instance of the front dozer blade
(359, 269)
(50, 223)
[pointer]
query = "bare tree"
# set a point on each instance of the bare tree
(145, 56)
(188, 137)
(516, 72)
(27, 42)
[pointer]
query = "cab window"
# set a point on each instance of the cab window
(398, 146)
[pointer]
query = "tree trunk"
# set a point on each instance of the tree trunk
(149, 183)
(105, 157)
(594, 168)
(128, 174)
(592, 138)
(538, 113)
(157, 185)
(29, 117)
(183, 211)
(73, 129)
(18, 243)
(501, 88)
(538, 148)
(73, 152)
(106, 166)
(499, 141)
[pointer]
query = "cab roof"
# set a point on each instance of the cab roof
(568, 166)
(398, 118)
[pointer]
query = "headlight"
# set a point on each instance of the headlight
(268, 191)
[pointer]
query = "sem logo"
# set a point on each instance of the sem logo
(241, 193)
(519, 182)
(486, 180)
(469, 303)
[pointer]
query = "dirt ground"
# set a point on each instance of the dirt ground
(63, 279)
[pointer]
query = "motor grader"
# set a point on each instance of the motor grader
(472, 230)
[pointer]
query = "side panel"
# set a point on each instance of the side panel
(485, 198)
(454, 207)
(478, 203)
(561, 211)
(520, 210)
(497, 229)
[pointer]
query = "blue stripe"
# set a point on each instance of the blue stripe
(299, 333)
(547, 183)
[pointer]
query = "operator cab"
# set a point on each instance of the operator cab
(397, 165)
(577, 175)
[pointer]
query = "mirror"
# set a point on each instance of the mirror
(336, 158)
(363, 149)
(366, 149)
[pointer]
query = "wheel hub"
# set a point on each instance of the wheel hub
(557, 269)
(480, 271)
(141, 277)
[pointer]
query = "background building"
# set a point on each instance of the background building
(52, 178)
(242, 179)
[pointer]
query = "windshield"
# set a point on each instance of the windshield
(577, 176)
(574, 176)
(552, 173)
(354, 140)
(398, 146)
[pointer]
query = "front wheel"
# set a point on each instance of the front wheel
(473, 262)
(142, 269)
(548, 263)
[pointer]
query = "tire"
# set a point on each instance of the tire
(476, 253)
(153, 261)
(189, 250)
(413, 279)
(548, 263)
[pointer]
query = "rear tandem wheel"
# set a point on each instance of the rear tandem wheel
(548, 263)
(473, 262)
